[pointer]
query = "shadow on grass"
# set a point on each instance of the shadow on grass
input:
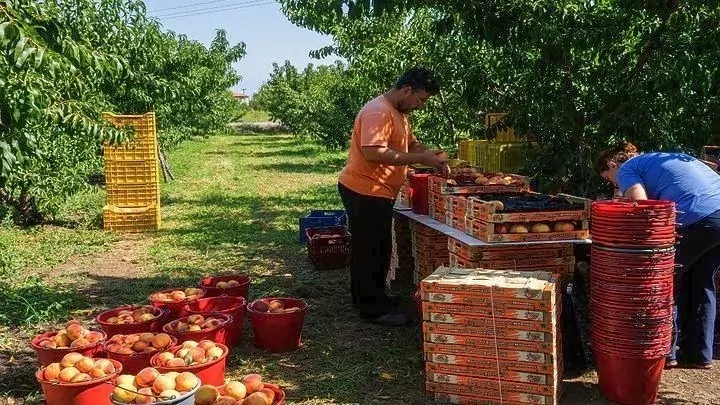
(297, 168)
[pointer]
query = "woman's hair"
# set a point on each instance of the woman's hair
(618, 154)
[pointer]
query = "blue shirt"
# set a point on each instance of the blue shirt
(693, 186)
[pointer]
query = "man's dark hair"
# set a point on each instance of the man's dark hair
(419, 79)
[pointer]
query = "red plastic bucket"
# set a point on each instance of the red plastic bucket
(418, 190)
(151, 325)
(217, 334)
(241, 290)
(210, 373)
(85, 393)
(174, 308)
(233, 306)
(46, 355)
(628, 381)
(279, 393)
(133, 363)
(278, 332)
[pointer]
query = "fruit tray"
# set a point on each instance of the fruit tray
(478, 253)
(492, 232)
(480, 183)
(528, 207)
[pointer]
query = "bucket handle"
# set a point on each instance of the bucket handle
(157, 398)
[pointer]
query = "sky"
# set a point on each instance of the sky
(268, 35)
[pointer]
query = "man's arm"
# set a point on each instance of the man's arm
(636, 192)
(416, 147)
(389, 156)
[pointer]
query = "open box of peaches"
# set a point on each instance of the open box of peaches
(161, 353)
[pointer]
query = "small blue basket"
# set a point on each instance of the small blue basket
(321, 218)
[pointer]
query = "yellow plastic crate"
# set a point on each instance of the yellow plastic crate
(131, 172)
(131, 220)
(463, 150)
(143, 145)
(476, 150)
(133, 195)
(504, 157)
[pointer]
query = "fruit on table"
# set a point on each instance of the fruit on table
(178, 295)
(527, 202)
(563, 227)
(150, 386)
(518, 228)
(141, 314)
(539, 228)
(193, 323)
(191, 353)
(138, 343)
(74, 367)
(73, 335)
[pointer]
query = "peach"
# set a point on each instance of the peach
(211, 323)
(261, 306)
(85, 364)
(236, 389)
(181, 327)
(51, 372)
(206, 395)
(72, 322)
(292, 309)
(81, 342)
(82, 377)
(130, 339)
(97, 373)
(163, 358)
(189, 344)
(159, 297)
(67, 374)
(70, 359)
(182, 353)
(214, 353)
(146, 337)
(206, 344)
(161, 340)
(233, 283)
(169, 394)
(112, 319)
(186, 381)
(117, 339)
(125, 350)
(163, 383)
(253, 383)
(172, 374)
(145, 396)
(197, 354)
(193, 291)
(75, 331)
(140, 346)
(276, 310)
(222, 284)
(276, 304)
(177, 295)
(114, 347)
(194, 328)
(146, 317)
(62, 340)
(94, 336)
(150, 349)
(126, 379)
(196, 319)
(176, 362)
(146, 377)
(47, 342)
(105, 365)
(270, 394)
(138, 312)
(225, 400)
(124, 393)
(257, 398)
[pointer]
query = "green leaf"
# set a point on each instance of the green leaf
(24, 56)
(20, 47)
(39, 57)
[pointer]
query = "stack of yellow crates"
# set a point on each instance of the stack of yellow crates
(506, 153)
(132, 176)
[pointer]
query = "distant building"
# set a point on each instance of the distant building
(241, 97)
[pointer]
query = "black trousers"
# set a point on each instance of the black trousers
(370, 223)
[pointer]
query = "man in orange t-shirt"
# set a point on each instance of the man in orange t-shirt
(381, 147)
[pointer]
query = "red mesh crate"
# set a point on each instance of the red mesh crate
(328, 247)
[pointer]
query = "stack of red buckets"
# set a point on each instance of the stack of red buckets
(631, 294)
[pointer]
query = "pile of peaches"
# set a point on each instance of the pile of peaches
(178, 295)
(150, 386)
(540, 227)
(141, 314)
(249, 391)
(138, 343)
(274, 306)
(190, 353)
(76, 368)
(193, 323)
(73, 336)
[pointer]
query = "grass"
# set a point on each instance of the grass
(255, 116)
(233, 208)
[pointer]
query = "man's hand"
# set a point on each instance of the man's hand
(434, 159)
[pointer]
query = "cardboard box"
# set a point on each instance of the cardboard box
(563, 264)
(499, 311)
(509, 252)
(501, 331)
(489, 372)
(443, 398)
(492, 383)
(492, 396)
(471, 322)
(456, 353)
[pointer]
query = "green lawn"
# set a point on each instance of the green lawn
(233, 207)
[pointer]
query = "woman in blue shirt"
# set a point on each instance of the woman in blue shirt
(695, 189)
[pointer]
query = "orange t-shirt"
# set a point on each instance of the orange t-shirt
(377, 124)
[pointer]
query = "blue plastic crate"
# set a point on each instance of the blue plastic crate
(321, 218)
